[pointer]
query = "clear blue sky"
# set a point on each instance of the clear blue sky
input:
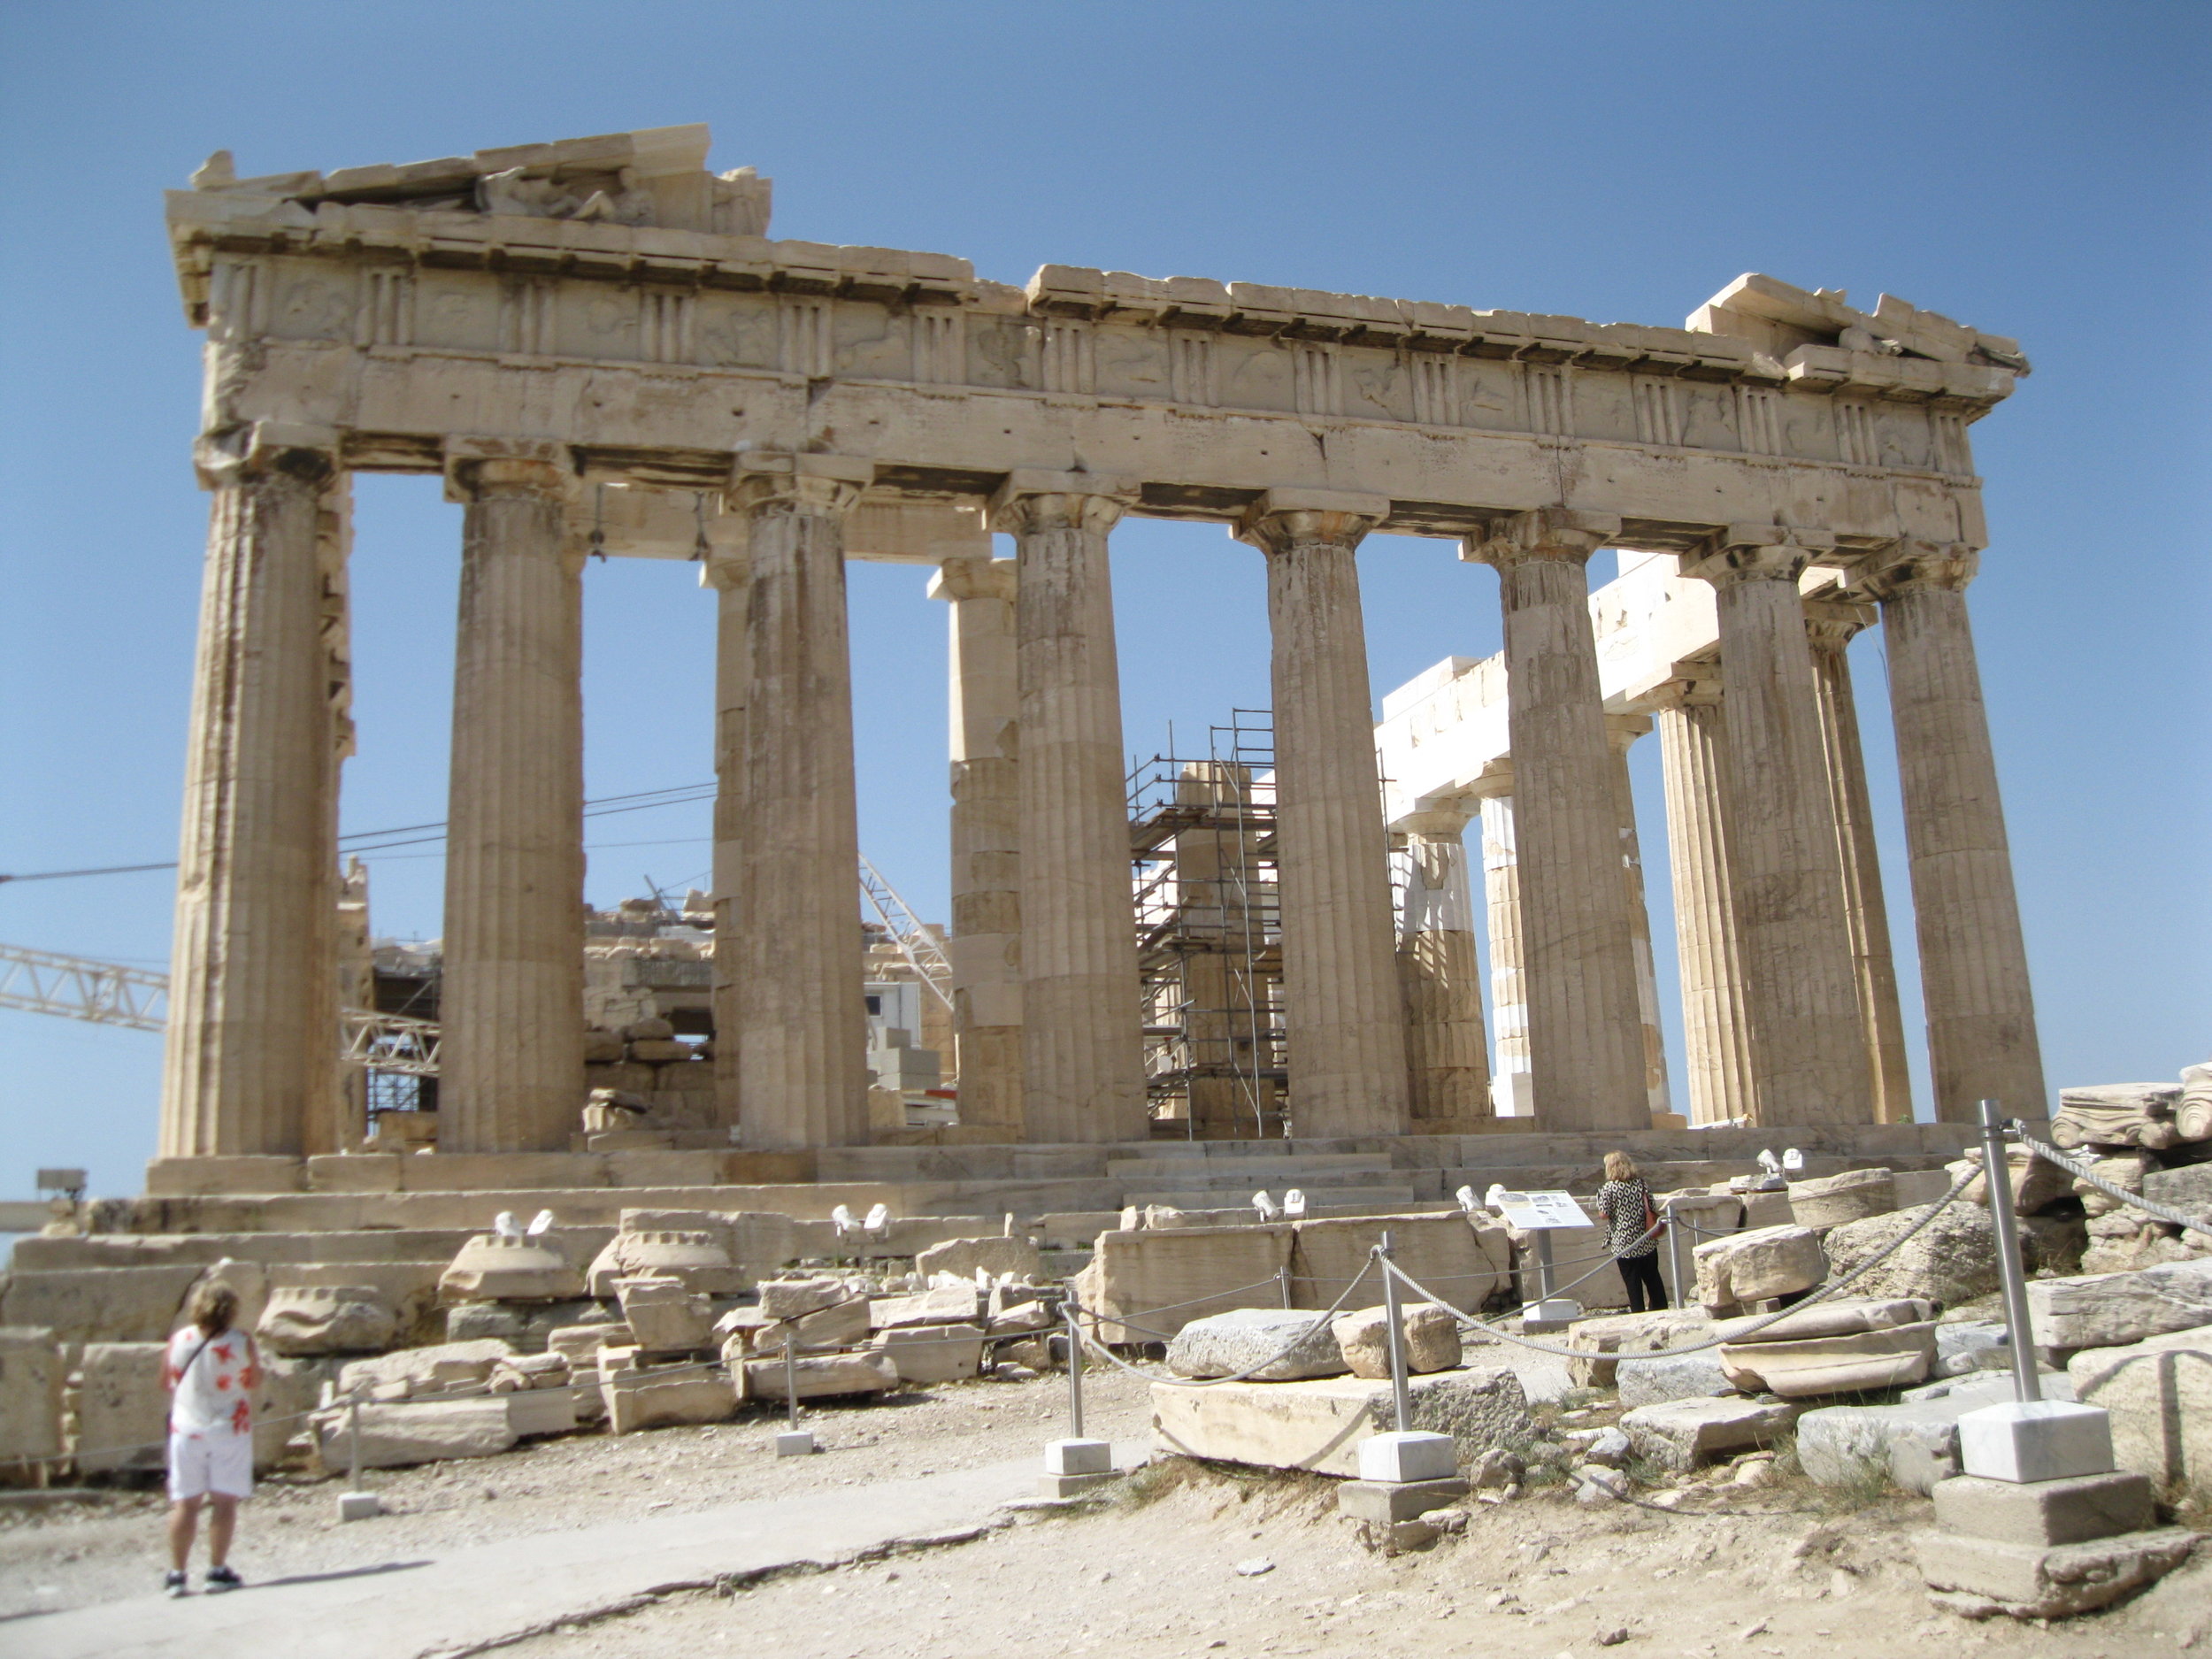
(2032, 169)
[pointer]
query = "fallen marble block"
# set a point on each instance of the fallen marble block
(1951, 1260)
(1611, 1338)
(403, 1434)
(932, 1353)
(1646, 1382)
(1852, 1362)
(303, 1321)
(1981, 1578)
(664, 1317)
(1833, 1200)
(2114, 1310)
(995, 1256)
(2159, 1392)
(1319, 1424)
(1431, 1339)
(438, 1369)
(948, 1304)
(638, 1399)
(1753, 1266)
(1681, 1434)
(492, 1268)
(824, 1376)
(1230, 1344)
(1824, 1319)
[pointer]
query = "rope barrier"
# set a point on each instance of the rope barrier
(2148, 1206)
(1823, 1293)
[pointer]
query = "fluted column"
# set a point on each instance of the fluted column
(1715, 1027)
(1446, 1052)
(731, 579)
(337, 1117)
(1344, 1011)
(1830, 626)
(1622, 731)
(1512, 1092)
(512, 1001)
(1982, 1040)
(1808, 1062)
(1082, 1068)
(250, 1048)
(803, 1073)
(1586, 1037)
(986, 946)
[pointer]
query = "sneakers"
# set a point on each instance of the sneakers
(174, 1585)
(222, 1579)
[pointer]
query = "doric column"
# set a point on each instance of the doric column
(1082, 1068)
(1447, 1053)
(986, 946)
(1982, 1040)
(512, 1001)
(1585, 1038)
(730, 576)
(1512, 1093)
(801, 1028)
(1343, 1010)
(337, 1119)
(1622, 731)
(1809, 1064)
(251, 1048)
(1830, 626)
(1715, 1027)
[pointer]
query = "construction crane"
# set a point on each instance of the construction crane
(109, 994)
(915, 942)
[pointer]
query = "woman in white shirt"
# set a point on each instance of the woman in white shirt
(210, 1371)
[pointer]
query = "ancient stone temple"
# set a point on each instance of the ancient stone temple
(597, 347)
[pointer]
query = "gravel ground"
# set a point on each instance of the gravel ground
(79, 1554)
(1758, 1574)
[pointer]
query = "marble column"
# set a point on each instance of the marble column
(1223, 1001)
(1622, 731)
(1830, 626)
(1447, 1051)
(250, 1048)
(1982, 1041)
(986, 946)
(801, 1027)
(1715, 1025)
(1344, 1011)
(337, 1120)
(731, 579)
(1512, 1092)
(512, 1000)
(1808, 1063)
(1586, 1036)
(1082, 1065)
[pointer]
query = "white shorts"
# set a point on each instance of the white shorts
(216, 1461)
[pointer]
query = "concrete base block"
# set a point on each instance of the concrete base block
(796, 1443)
(1980, 1578)
(359, 1506)
(1408, 1458)
(1079, 1458)
(2073, 1512)
(1386, 1503)
(1072, 1485)
(2041, 1440)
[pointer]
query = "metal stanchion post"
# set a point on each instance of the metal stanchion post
(1401, 1402)
(793, 1441)
(1282, 1278)
(353, 1504)
(1997, 1177)
(1679, 1258)
(1075, 1377)
(1543, 1265)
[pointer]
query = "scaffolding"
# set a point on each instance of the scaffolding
(1208, 934)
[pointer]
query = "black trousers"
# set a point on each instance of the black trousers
(1647, 1291)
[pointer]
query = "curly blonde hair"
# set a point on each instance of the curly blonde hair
(213, 1308)
(1619, 1167)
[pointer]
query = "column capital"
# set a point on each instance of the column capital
(1034, 499)
(1281, 518)
(261, 446)
(1693, 685)
(725, 569)
(1832, 624)
(1756, 552)
(478, 467)
(1622, 729)
(1548, 532)
(974, 579)
(820, 486)
(1948, 566)
(1445, 819)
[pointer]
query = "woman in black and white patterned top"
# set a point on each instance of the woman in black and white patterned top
(1625, 1202)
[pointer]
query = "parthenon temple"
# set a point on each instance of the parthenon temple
(597, 347)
